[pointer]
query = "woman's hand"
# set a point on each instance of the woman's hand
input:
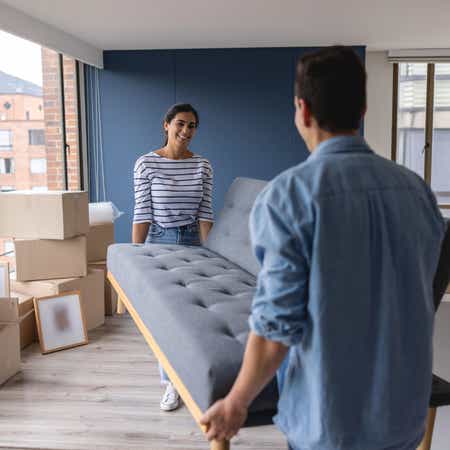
(205, 228)
(140, 231)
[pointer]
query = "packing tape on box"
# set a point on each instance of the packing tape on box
(103, 212)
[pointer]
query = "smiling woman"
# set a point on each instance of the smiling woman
(173, 197)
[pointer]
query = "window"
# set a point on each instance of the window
(48, 88)
(39, 188)
(38, 165)
(36, 137)
(421, 131)
(5, 139)
(6, 188)
(6, 165)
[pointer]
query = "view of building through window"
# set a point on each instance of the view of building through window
(32, 126)
(411, 122)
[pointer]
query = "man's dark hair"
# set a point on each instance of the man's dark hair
(332, 82)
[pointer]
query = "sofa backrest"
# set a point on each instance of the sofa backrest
(230, 236)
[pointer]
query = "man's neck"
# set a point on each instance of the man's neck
(320, 136)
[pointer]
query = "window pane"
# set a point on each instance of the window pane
(440, 168)
(38, 165)
(31, 125)
(412, 90)
(5, 139)
(39, 188)
(7, 166)
(36, 137)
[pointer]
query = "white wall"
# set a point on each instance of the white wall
(378, 121)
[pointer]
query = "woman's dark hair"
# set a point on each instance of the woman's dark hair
(180, 108)
(332, 82)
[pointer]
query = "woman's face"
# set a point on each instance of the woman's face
(181, 129)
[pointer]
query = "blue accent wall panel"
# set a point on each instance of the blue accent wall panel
(135, 89)
(244, 98)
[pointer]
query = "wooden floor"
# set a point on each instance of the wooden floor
(102, 396)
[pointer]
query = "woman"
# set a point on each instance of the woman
(173, 188)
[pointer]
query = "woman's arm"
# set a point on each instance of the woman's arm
(205, 228)
(140, 231)
(143, 212)
(205, 212)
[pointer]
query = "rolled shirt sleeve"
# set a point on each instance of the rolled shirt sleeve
(142, 194)
(279, 309)
(205, 211)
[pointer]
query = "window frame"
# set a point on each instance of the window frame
(429, 116)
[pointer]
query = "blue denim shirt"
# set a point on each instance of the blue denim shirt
(348, 244)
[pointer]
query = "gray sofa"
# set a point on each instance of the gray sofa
(194, 303)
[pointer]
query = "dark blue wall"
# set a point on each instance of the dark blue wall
(244, 98)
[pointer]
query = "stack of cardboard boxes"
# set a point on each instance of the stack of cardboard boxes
(9, 338)
(53, 245)
(100, 236)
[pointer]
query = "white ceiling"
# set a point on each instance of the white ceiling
(164, 24)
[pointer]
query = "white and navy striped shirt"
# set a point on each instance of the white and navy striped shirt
(172, 192)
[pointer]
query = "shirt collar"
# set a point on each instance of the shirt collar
(342, 144)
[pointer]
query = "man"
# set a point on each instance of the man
(348, 244)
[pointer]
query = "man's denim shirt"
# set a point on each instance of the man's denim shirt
(348, 244)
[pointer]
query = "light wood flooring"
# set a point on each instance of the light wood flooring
(102, 396)
(105, 396)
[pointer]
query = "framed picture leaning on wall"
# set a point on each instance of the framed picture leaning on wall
(60, 321)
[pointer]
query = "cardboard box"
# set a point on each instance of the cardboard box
(44, 215)
(110, 293)
(27, 319)
(44, 259)
(9, 338)
(91, 287)
(99, 237)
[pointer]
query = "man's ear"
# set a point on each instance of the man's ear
(364, 112)
(305, 112)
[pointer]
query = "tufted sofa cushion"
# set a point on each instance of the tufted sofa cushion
(230, 236)
(196, 304)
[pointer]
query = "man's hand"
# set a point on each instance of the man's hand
(224, 419)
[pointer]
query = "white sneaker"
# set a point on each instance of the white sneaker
(170, 399)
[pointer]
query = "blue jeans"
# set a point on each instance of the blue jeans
(184, 235)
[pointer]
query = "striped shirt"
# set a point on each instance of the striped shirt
(172, 192)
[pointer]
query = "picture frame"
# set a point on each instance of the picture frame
(5, 290)
(60, 321)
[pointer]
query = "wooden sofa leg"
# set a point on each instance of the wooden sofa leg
(120, 306)
(426, 441)
(220, 445)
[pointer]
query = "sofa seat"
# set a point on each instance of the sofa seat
(196, 304)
